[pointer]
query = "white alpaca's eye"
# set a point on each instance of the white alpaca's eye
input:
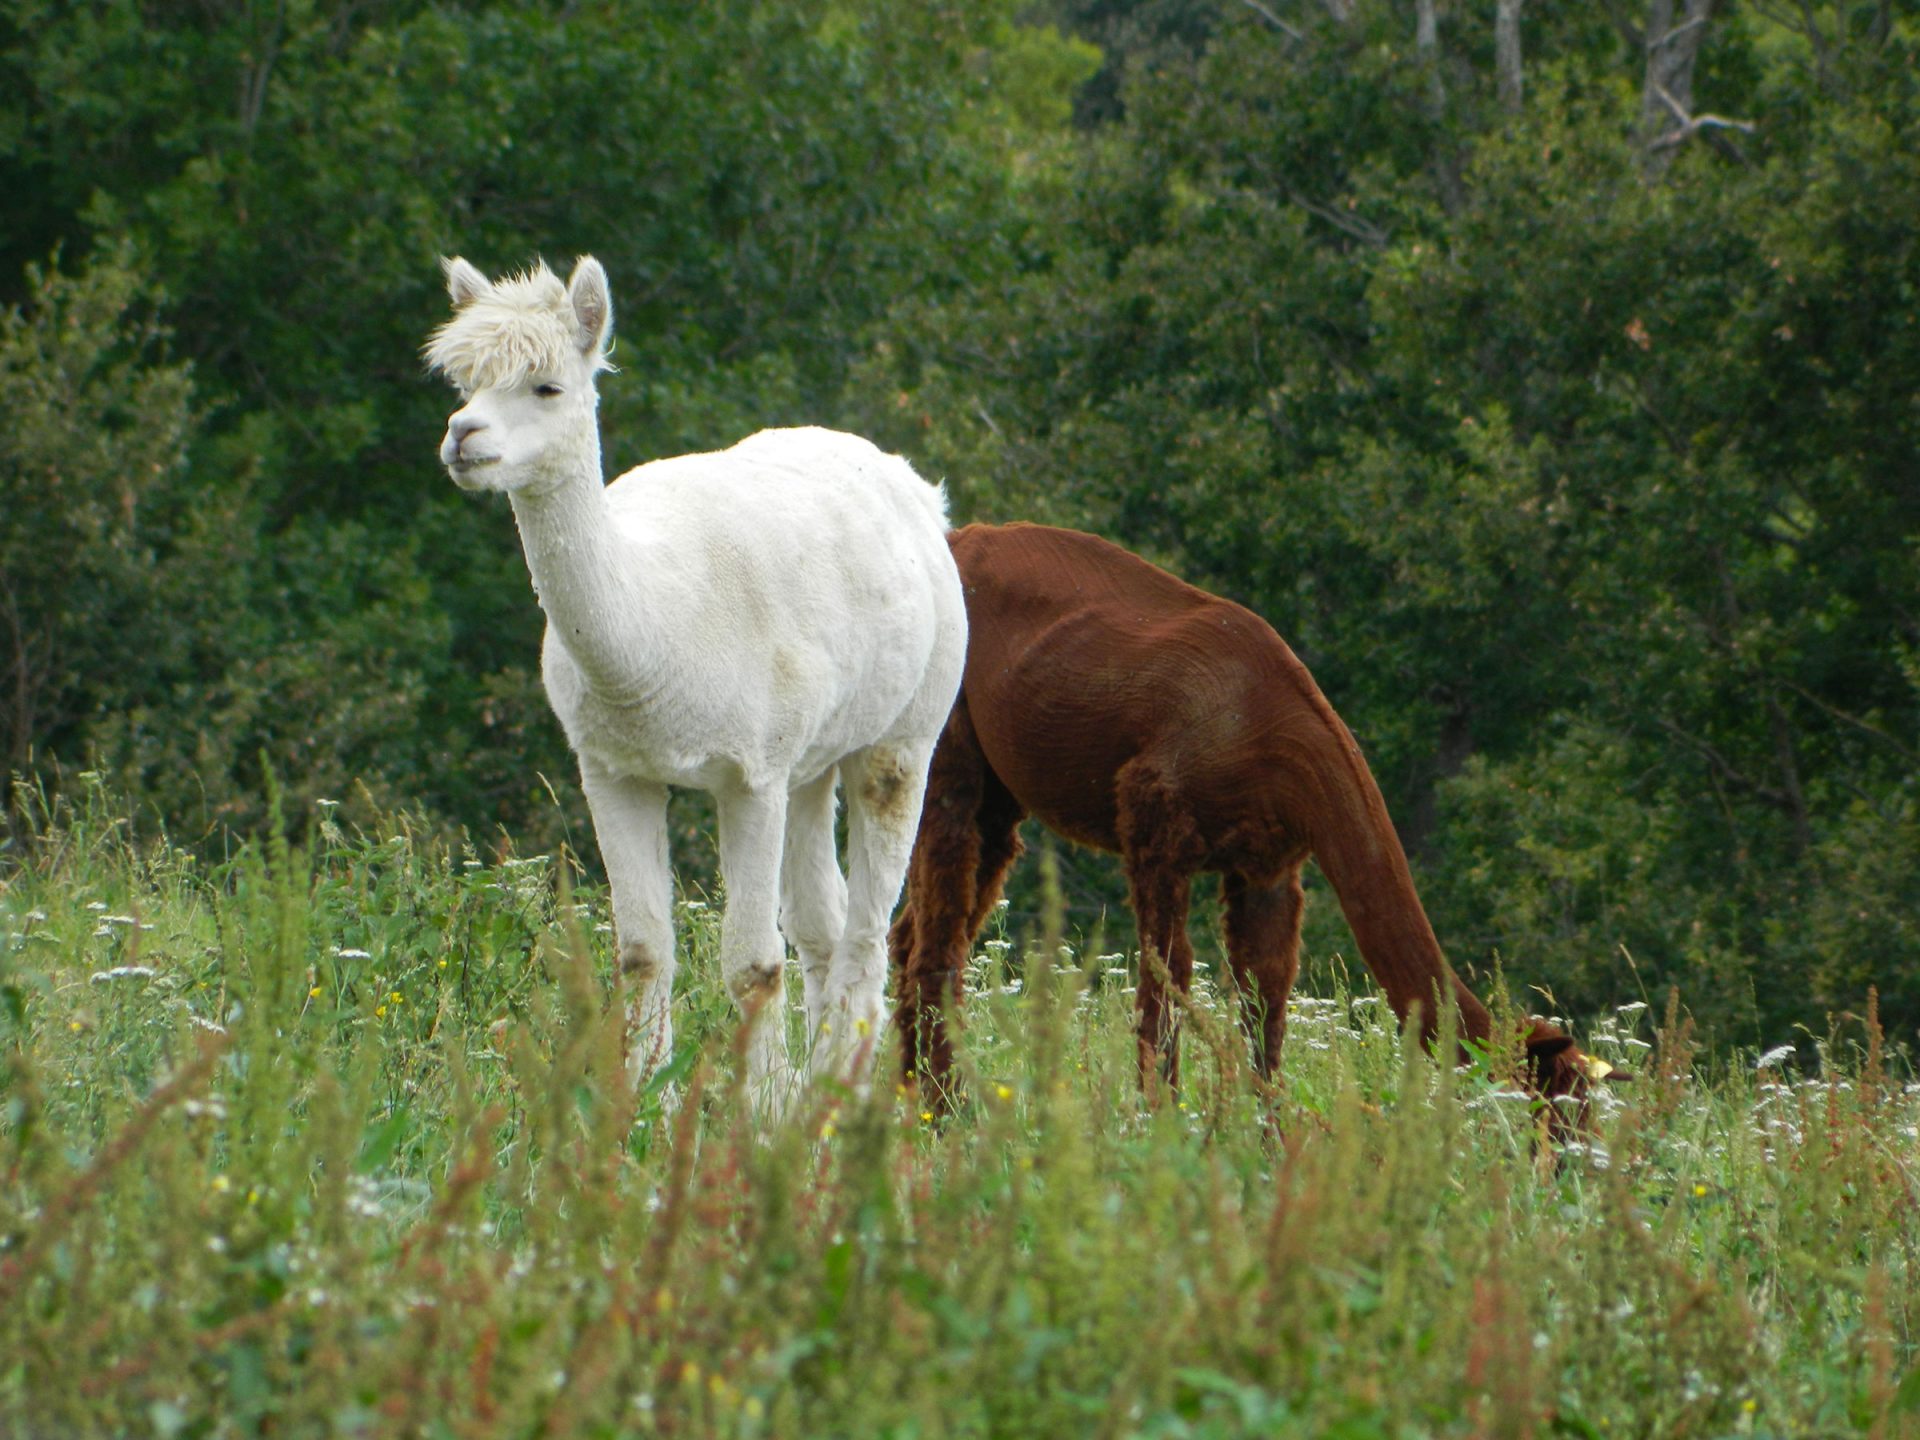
(546, 392)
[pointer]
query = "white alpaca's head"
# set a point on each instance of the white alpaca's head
(523, 352)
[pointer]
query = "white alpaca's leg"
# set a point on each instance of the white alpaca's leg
(630, 822)
(885, 784)
(752, 955)
(813, 892)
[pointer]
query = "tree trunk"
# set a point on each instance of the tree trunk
(1446, 164)
(1506, 53)
(1673, 43)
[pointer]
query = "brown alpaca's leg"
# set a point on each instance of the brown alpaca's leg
(929, 941)
(900, 943)
(1263, 947)
(1160, 901)
(1161, 849)
(998, 825)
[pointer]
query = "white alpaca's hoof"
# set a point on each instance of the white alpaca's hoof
(668, 1100)
(847, 1041)
(770, 1096)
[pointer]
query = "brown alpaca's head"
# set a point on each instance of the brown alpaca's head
(1563, 1075)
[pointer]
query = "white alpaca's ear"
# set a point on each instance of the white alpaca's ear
(592, 304)
(464, 283)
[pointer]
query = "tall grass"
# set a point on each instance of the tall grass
(335, 1141)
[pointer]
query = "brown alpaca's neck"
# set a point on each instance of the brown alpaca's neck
(1358, 851)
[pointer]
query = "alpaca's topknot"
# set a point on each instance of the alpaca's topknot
(520, 326)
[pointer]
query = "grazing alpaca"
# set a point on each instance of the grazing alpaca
(752, 623)
(1132, 712)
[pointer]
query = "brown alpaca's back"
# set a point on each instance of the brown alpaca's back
(1130, 711)
(1085, 658)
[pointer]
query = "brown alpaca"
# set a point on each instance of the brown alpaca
(1131, 712)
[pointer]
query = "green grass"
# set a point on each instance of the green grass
(334, 1142)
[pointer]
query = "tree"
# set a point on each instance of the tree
(762, 180)
(1586, 492)
(94, 512)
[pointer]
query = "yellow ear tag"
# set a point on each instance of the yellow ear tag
(1596, 1068)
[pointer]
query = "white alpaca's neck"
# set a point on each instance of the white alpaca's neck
(584, 571)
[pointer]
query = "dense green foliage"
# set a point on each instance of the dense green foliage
(1577, 451)
(336, 1143)
(1590, 495)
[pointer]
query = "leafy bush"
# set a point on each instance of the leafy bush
(98, 526)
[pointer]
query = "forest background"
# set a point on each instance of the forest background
(1549, 375)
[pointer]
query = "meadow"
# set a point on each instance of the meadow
(331, 1138)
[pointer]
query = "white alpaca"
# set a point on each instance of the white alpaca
(754, 623)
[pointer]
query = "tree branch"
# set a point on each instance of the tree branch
(1365, 231)
(1274, 20)
(1677, 31)
(1690, 125)
(1784, 756)
(1629, 31)
(1726, 770)
(1847, 717)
